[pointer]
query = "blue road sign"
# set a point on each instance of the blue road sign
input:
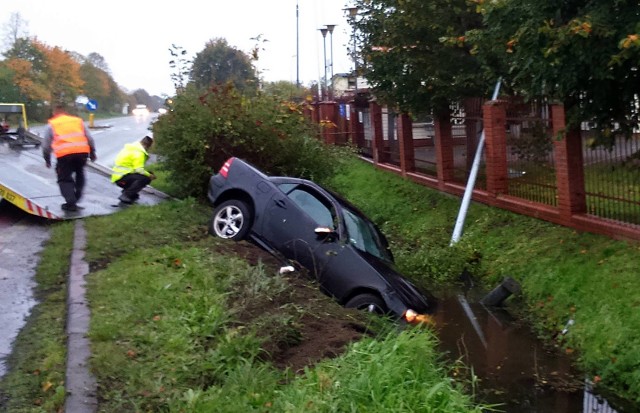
(92, 105)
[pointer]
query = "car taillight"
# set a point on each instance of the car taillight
(224, 171)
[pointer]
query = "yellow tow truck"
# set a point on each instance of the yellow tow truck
(14, 127)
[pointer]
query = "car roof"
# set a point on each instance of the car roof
(276, 179)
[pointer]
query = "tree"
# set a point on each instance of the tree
(583, 53)
(98, 61)
(16, 28)
(404, 56)
(28, 66)
(285, 90)
(42, 72)
(9, 92)
(62, 78)
(181, 66)
(218, 63)
(96, 81)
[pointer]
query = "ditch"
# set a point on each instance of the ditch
(513, 368)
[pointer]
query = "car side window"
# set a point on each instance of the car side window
(314, 206)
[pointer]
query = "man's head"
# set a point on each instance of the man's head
(59, 108)
(146, 142)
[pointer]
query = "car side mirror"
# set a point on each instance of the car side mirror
(326, 233)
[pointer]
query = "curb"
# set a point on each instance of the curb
(81, 386)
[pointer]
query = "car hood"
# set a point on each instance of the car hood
(401, 291)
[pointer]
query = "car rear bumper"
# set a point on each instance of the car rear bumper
(216, 183)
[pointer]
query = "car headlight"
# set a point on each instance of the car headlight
(414, 318)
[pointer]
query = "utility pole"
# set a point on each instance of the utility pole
(297, 46)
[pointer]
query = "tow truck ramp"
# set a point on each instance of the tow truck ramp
(26, 182)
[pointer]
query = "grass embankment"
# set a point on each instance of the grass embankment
(182, 321)
(565, 275)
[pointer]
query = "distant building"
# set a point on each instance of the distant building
(345, 86)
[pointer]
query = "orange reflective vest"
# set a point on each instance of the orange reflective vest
(68, 136)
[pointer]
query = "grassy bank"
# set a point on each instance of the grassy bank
(565, 275)
(182, 321)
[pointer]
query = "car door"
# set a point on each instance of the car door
(291, 219)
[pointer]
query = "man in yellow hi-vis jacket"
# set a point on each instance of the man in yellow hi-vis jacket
(129, 171)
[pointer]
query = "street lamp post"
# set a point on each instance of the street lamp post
(297, 46)
(330, 28)
(353, 12)
(324, 41)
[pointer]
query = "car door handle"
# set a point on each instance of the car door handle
(280, 203)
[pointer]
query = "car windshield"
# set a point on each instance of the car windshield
(364, 236)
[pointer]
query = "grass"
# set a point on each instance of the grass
(35, 382)
(180, 325)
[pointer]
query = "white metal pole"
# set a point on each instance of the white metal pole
(466, 199)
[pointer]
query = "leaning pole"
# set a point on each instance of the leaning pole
(466, 199)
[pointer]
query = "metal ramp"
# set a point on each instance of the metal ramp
(21, 138)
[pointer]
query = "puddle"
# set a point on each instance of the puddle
(515, 370)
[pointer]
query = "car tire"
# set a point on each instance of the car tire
(368, 302)
(231, 220)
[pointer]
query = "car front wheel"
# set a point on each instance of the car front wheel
(231, 220)
(367, 302)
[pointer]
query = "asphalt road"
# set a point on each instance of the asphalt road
(22, 235)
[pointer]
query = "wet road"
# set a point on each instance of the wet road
(21, 240)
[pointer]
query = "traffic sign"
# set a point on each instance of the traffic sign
(92, 105)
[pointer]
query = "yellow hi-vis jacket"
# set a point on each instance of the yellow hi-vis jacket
(130, 160)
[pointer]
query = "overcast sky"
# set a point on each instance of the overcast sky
(134, 36)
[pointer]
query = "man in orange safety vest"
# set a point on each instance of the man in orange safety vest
(71, 143)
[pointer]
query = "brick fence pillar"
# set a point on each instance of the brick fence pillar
(355, 136)
(569, 165)
(444, 149)
(495, 119)
(405, 142)
(377, 143)
(328, 120)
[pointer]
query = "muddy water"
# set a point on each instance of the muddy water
(515, 370)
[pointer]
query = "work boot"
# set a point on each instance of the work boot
(125, 199)
(69, 207)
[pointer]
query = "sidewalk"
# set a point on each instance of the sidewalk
(79, 382)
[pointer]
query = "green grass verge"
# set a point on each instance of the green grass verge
(169, 330)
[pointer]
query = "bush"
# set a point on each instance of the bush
(203, 130)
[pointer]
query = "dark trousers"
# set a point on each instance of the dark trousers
(70, 170)
(132, 184)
